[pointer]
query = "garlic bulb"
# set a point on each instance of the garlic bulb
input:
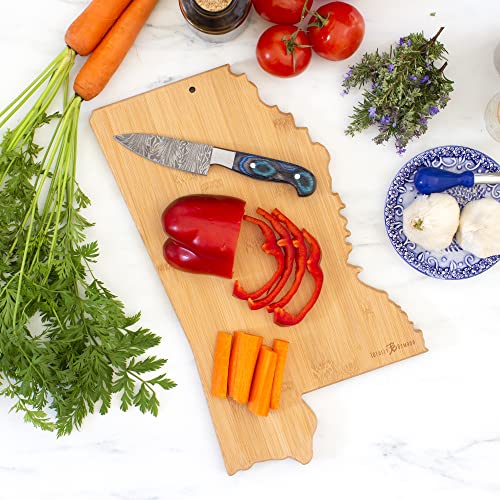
(432, 221)
(479, 230)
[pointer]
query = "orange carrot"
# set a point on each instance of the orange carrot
(242, 365)
(260, 394)
(221, 364)
(89, 28)
(107, 57)
(280, 347)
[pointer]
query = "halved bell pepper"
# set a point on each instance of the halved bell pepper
(203, 233)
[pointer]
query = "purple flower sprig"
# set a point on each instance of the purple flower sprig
(403, 89)
(433, 110)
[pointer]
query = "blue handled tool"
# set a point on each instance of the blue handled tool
(197, 159)
(436, 180)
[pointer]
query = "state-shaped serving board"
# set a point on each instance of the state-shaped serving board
(352, 329)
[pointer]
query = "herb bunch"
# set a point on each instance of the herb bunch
(66, 344)
(403, 89)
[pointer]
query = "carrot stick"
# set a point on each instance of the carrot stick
(89, 28)
(107, 57)
(260, 394)
(280, 347)
(221, 364)
(242, 365)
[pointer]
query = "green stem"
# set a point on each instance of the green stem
(305, 11)
(56, 139)
(51, 191)
(6, 172)
(31, 88)
(56, 81)
(68, 161)
(320, 20)
(43, 102)
(72, 185)
(61, 143)
(54, 312)
(32, 211)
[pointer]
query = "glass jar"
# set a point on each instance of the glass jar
(216, 20)
(492, 112)
(492, 117)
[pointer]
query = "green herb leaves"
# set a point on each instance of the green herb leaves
(66, 345)
(405, 89)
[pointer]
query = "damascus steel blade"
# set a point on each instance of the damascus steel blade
(173, 153)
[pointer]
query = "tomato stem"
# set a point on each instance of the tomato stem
(320, 20)
(291, 45)
(305, 10)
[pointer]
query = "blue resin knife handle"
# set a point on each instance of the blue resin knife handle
(266, 169)
(435, 180)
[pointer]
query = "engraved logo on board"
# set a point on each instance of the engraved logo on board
(211, 185)
(391, 348)
(285, 122)
(324, 369)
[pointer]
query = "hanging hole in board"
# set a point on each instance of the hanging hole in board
(192, 90)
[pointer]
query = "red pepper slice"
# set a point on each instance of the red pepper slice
(300, 260)
(284, 318)
(270, 247)
(287, 244)
(203, 231)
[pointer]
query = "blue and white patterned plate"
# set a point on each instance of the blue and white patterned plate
(453, 263)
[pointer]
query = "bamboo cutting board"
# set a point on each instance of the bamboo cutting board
(352, 329)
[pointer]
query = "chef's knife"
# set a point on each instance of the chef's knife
(436, 180)
(197, 159)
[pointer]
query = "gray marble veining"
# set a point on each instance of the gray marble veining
(425, 428)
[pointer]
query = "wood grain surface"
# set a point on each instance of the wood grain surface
(352, 329)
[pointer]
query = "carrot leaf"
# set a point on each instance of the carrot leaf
(67, 345)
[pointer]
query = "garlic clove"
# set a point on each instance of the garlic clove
(479, 229)
(432, 221)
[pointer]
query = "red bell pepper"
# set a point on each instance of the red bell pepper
(270, 247)
(300, 260)
(284, 318)
(287, 244)
(203, 233)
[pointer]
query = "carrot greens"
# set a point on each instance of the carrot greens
(85, 347)
(66, 344)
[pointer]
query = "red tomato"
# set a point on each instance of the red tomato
(273, 55)
(341, 33)
(281, 11)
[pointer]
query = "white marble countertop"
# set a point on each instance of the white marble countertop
(425, 427)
